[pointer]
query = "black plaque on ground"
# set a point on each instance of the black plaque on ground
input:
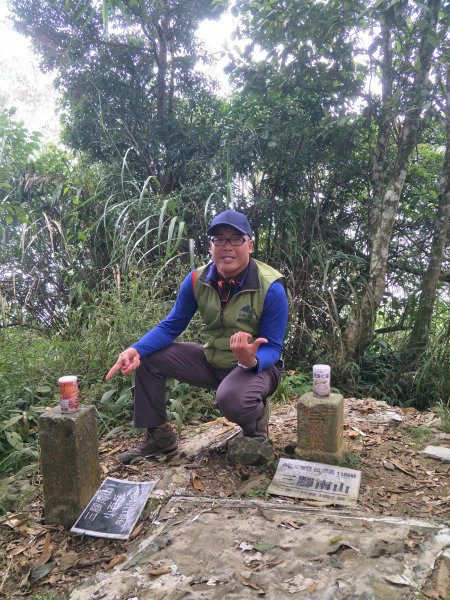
(114, 509)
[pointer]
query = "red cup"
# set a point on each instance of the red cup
(68, 394)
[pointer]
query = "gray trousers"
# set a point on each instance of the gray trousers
(240, 394)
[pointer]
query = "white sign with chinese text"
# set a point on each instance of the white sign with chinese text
(114, 509)
(316, 481)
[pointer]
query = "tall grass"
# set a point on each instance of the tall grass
(31, 362)
(383, 373)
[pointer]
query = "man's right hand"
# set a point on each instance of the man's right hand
(127, 362)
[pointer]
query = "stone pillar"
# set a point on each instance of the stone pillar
(69, 462)
(320, 432)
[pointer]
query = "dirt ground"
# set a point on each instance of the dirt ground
(384, 443)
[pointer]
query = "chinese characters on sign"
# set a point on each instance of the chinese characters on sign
(114, 509)
(316, 481)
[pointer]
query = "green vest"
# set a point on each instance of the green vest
(241, 313)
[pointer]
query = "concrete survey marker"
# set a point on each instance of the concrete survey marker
(315, 481)
(69, 462)
(320, 428)
(242, 549)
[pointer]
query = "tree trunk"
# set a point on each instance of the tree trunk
(359, 330)
(385, 124)
(161, 61)
(421, 328)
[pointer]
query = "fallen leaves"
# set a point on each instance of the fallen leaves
(16, 551)
(42, 560)
(68, 561)
(137, 531)
(15, 521)
(334, 540)
(252, 583)
(245, 547)
(265, 514)
(263, 547)
(196, 481)
(157, 571)
(41, 571)
(353, 432)
(177, 479)
(401, 468)
(391, 458)
(46, 548)
(343, 548)
(291, 524)
(39, 555)
(401, 580)
(299, 584)
(119, 558)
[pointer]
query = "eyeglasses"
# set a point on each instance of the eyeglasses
(235, 240)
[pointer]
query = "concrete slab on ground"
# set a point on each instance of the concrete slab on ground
(440, 452)
(226, 548)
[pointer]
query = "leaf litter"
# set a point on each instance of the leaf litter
(37, 556)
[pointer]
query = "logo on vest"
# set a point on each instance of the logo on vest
(246, 314)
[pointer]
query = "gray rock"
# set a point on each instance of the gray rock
(249, 451)
(256, 485)
(439, 452)
(16, 493)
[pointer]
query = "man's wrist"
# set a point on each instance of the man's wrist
(251, 367)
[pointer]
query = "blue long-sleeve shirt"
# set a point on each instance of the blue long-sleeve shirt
(272, 325)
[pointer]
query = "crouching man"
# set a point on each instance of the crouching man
(244, 308)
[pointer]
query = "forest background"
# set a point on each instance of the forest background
(334, 140)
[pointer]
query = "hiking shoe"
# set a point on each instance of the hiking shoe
(262, 424)
(161, 441)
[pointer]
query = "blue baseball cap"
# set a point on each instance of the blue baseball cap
(232, 218)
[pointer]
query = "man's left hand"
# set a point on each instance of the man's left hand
(242, 350)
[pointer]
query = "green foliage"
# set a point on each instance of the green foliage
(39, 359)
(137, 89)
(377, 372)
(114, 411)
(444, 415)
(17, 147)
(352, 460)
(185, 404)
(45, 596)
(385, 374)
(293, 384)
(92, 339)
(421, 434)
(257, 494)
(25, 390)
